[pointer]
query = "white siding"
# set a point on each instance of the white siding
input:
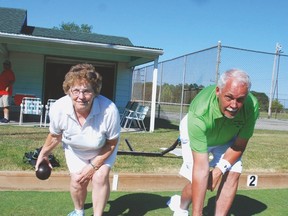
(123, 86)
(28, 69)
(29, 72)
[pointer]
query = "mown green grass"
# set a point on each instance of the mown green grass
(248, 202)
(282, 115)
(267, 150)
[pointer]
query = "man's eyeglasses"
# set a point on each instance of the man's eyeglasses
(85, 92)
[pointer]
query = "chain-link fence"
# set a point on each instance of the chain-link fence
(181, 78)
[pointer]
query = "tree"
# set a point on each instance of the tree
(262, 99)
(166, 93)
(276, 106)
(71, 26)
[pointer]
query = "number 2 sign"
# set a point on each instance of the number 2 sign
(252, 180)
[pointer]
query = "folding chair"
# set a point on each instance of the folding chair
(125, 111)
(138, 117)
(31, 106)
(128, 112)
(47, 109)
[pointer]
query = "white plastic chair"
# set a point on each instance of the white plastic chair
(125, 111)
(129, 110)
(47, 109)
(31, 106)
(138, 117)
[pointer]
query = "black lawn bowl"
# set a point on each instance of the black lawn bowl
(44, 171)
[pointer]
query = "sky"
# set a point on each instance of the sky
(178, 27)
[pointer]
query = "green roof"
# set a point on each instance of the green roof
(79, 36)
(12, 20)
(15, 21)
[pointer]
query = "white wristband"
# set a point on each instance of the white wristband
(223, 165)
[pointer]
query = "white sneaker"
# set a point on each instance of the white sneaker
(74, 213)
(181, 212)
(174, 205)
(174, 202)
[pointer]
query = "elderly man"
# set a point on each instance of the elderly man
(220, 122)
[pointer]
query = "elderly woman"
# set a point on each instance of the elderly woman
(88, 125)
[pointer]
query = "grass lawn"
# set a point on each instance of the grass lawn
(267, 152)
(247, 202)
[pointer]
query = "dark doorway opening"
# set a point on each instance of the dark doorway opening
(55, 73)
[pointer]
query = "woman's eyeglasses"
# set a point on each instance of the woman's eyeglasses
(85, 92)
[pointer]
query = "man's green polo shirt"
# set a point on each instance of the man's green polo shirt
(208, 127)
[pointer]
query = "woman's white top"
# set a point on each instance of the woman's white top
(103, 123)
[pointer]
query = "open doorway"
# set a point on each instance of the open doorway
(55, 70)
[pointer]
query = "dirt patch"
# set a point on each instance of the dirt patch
(59, 181)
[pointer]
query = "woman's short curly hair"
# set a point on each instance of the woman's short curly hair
(83, 73)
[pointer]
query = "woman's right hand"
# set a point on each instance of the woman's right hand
(51, 142)
(40, 159)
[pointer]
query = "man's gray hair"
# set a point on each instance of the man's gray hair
(237, 75)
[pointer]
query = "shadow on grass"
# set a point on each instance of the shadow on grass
(161, 123)
(136, 204)
(88, 205)
(242, 205)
